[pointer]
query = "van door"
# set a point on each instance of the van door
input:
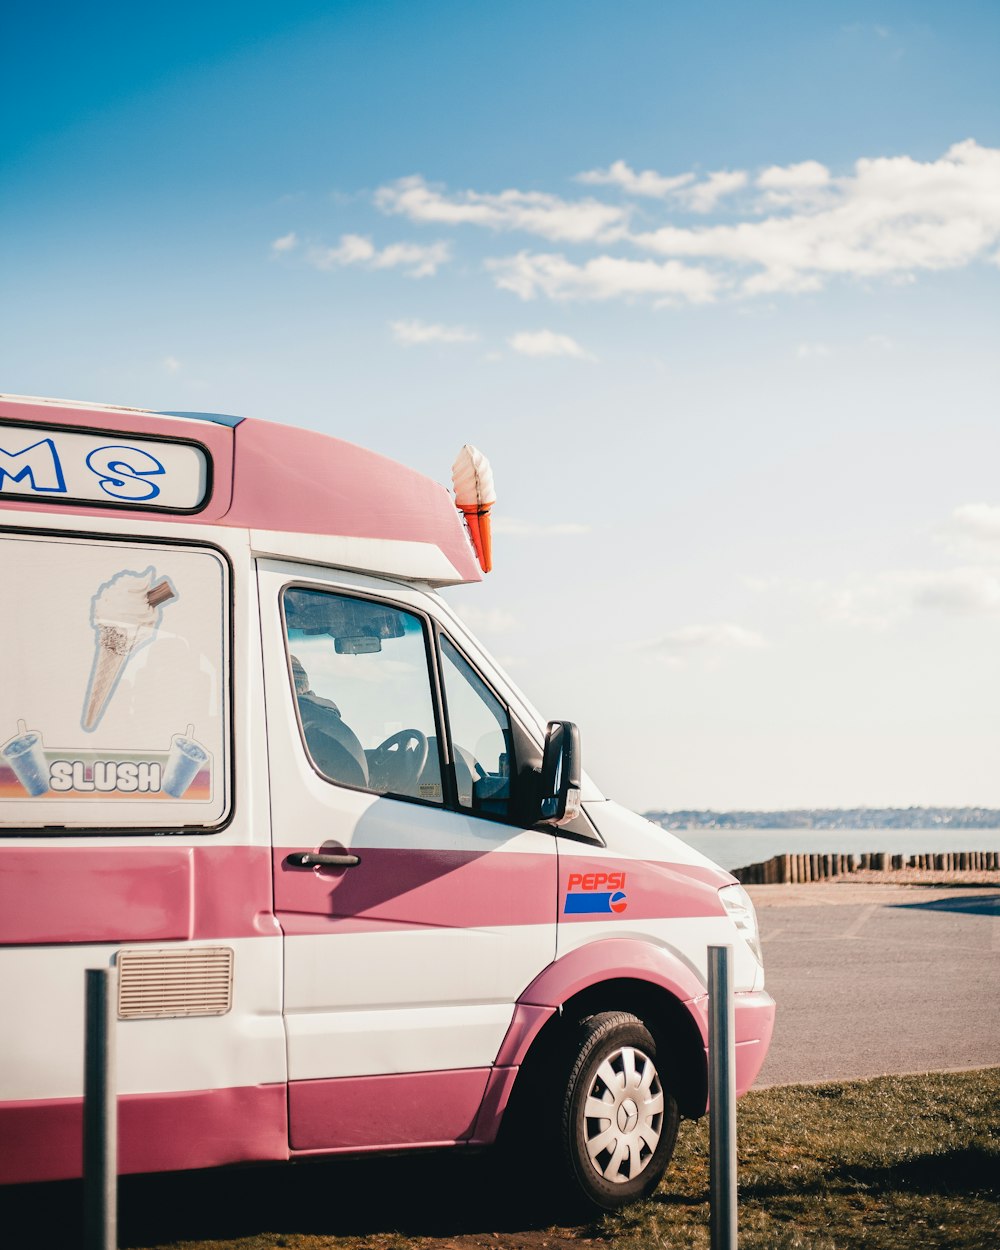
(414, 913)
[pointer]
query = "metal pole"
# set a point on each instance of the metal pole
(722, 1096)
(100, 1112)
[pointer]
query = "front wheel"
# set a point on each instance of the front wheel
(619, 1122)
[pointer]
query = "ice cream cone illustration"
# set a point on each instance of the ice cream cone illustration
(125, 615)
(472, 478)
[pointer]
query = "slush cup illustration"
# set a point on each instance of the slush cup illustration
(185, 761)
(26, 757)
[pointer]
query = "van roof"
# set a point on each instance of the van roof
(281, 481)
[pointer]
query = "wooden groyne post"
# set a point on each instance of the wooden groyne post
(791, 869)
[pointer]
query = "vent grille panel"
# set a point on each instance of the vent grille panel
(161, 983)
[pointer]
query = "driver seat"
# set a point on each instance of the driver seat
(334, 747)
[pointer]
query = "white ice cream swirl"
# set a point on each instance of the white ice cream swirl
(472, 479)
(123, 601)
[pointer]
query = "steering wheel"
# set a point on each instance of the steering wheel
(399, 760)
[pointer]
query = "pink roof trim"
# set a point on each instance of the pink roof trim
(267, 476)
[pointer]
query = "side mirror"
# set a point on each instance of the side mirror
(560, 782)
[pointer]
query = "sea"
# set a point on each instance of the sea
(736, 848)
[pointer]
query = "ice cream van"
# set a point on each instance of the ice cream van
(360, 896)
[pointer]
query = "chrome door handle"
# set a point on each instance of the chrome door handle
(310, 859)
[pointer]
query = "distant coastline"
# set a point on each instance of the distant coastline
(834, 818)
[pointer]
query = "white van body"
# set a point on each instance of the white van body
(170, 784)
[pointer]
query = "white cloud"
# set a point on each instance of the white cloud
(171, 364)
(511, 527)
(696, 638)
(893, 217)
(286, 243)
(418, 260)
(860, 604)
(813, 351)
(709, 640)
(421, 261)
(705, 195)
(413, 332)
(806, 175)
(860, 607)
(691, 637)
(890, 598)
(978, 520)
(536, 212)
(791, 228)
(803, 185)
(683, 189)
(972, 532)
(546, 343)
(649, 182)
(603, 277)
(967, 590)
(352, 250)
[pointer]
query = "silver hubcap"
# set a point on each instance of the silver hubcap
(623, 1115)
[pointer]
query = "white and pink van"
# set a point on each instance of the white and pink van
(360, 897)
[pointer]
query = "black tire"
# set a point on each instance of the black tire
(618, 1157)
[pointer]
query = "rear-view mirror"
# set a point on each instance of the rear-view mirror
(357, 646)
(561, 773)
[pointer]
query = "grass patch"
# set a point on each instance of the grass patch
(894, 1163)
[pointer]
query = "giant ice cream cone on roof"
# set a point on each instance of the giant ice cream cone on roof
(472, 478)
(125, 614)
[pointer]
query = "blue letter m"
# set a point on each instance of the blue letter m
(39, 463)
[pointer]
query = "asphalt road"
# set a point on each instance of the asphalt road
(878, 979)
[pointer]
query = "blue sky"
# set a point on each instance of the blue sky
(715, 287)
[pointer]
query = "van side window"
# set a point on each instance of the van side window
(114, 704)
(363, 693)
(480, 737)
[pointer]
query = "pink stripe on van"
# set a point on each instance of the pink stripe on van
(385, 1112)
(396, 888)
(43, 1140)
(133, 893)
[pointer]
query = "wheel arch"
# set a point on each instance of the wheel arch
(671, 1022)
(618, 974)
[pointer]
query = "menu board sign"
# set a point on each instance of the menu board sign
(49, 465)
(116, 714)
